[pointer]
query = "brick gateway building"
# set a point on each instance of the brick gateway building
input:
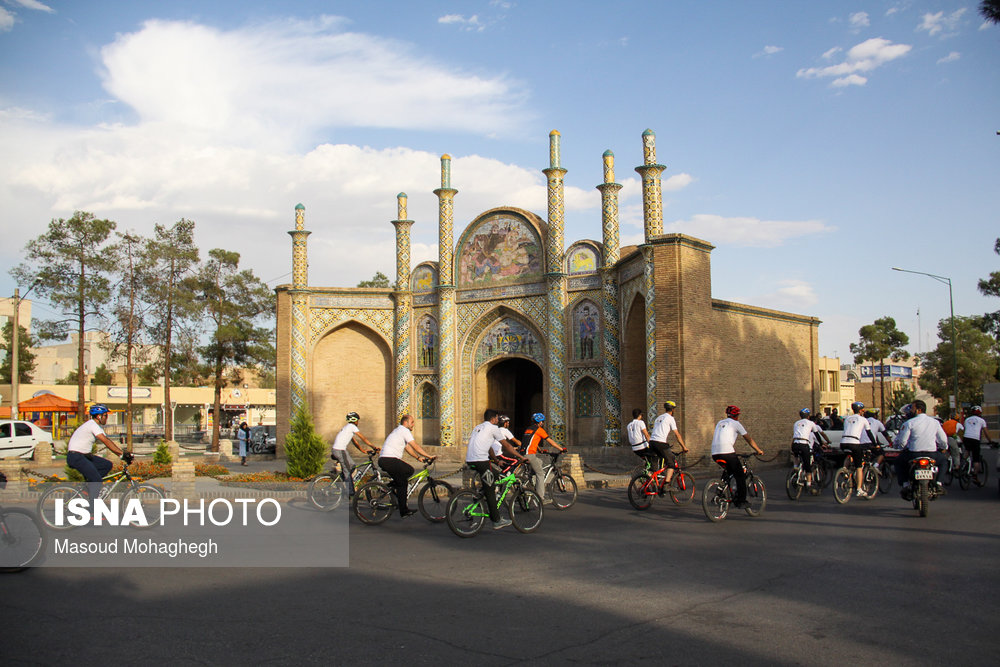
(508, 317)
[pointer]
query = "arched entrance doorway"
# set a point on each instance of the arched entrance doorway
(515, 387)
(633, 379)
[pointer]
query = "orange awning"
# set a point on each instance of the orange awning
(48, 403)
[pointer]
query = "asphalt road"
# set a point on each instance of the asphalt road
(809, 582)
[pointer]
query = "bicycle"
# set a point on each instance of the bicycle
(559, 486)
(467, 511)
(966, 472)
(374, 502)
(845, 481)
(149, 497)
(797, 478)
(717, 497)
(22, 538)
(326, 491)
(649, 483)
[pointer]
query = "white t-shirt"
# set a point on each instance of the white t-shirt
(804, 431)
(395, 443)
(974, 426)
(83, 438)
(662, 427)
(876, 427)
(484, 437)
(727, 432)
(343, 438)
(854, 426)
(635, 436)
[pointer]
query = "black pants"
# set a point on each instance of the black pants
(973, 446)
(483, 467)
(662, 450)
(400, 471)
(905, 456)
(804, 450)
(93, 468)
(735, 468)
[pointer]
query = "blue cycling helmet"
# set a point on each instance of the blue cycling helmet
(538, 417)
(805, 412)
(857, 406)
(98, 410)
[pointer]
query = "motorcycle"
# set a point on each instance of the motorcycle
(923, 488)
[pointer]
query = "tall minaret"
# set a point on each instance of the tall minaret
(300, 311)
(555, 276)
(609, 283)
(652, 215)
(403, 307)
(446, 302)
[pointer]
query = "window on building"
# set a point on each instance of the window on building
(822, 380)
(834, 380)
(428, 402)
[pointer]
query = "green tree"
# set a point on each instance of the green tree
(149, 375)
(991, 287)
(902, 394)
(71, 261)
(977, 362)
(173, 255)
(232, 302)
(990, 9)
(25, 358)
(378, 280)
(102, 375)
(186, 369)
(879, 341)
(304, 449)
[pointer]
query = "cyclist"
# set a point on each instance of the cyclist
(919, 435)
(854, 426)
(485, 443)
(350, 433)
(401, 440)
(875, 426)
(638, 436)
(662, 427)
(79, 457)
(534, 437)
(804, 433)
(975, 430)
(727, 431)
(951, 427)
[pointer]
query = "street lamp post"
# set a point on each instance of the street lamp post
(14, 345)
(954, 341)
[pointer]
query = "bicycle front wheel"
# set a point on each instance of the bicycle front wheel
(526, 511)
(638, 491)
(964, 475)
(843, 484)
(563, 492)
(46, 507)
(149, 498)
(869, 482)
(886, 475)
(979, 478)
(22, 539)
(792, 486)
(373, 503)
(715, 500)
(466, 513)
(326, 491)
(433, 500)
(756, 496)
(682, 488)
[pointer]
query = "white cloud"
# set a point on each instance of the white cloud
(7, 20)
(939, 23)
(751, 232)
(858, 21)
(34, 4)
(831, 53)
(863, 57)
(950, 58)
(472, 23)
(769, 51)
(790, 295)
(286, 81)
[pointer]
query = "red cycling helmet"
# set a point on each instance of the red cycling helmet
(732, 411)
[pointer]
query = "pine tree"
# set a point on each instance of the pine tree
(304, 449)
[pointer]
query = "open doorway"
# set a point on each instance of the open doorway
(516, 388)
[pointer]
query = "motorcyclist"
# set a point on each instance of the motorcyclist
(919, 436)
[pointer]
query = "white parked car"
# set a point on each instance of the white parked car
(18, 438)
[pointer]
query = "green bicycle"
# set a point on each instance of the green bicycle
(373, 503)
(467, 511)
(147, 494)
(327, 490)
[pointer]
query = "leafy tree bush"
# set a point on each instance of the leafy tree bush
(304, 449)
(162, 455)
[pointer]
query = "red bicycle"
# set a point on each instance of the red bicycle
(649, 483)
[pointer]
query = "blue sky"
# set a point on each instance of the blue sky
(816, 144)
